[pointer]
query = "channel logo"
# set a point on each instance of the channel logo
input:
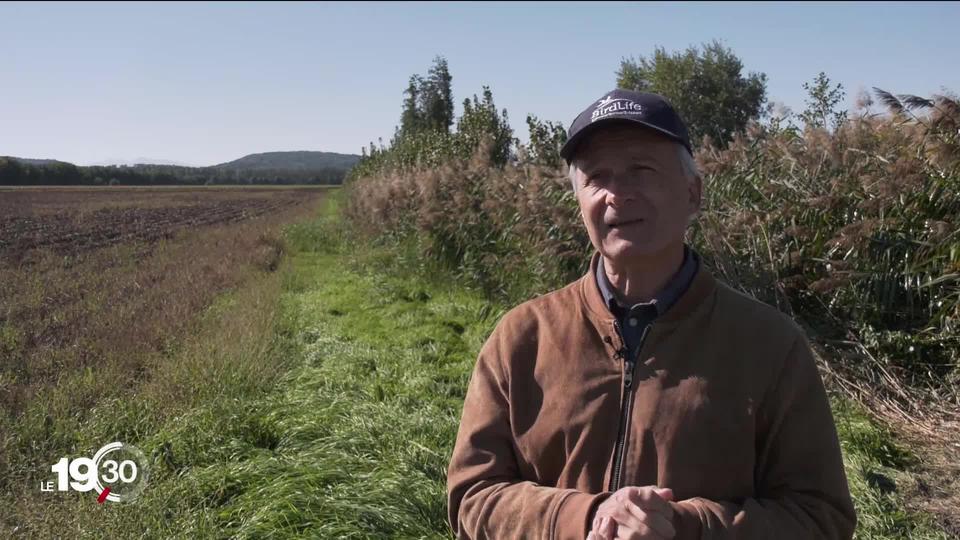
(118, 472)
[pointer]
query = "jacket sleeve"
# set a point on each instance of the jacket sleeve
(800, 480)
(487, 497)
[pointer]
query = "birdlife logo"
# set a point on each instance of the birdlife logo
(608, 105)
(117, 472)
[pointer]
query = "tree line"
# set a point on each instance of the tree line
(14, 172)
(706, 84)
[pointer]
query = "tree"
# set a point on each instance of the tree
(410, 118)
(438, 103)
(704, 85)
(480, 123)
(546, 140)
(424, 138)
(428, 105)
(822, 103)
(11, 172)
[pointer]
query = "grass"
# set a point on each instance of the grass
(360, 434)
(108, 344)
(878, 470)
(207, 379)
(332, 414)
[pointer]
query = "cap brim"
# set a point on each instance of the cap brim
(570, 147)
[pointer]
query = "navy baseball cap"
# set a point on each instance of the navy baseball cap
(645, 109)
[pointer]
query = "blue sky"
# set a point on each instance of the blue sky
(205, 83)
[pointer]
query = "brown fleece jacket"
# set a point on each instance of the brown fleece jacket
(727, 409)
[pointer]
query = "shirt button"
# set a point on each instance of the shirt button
(632, 321)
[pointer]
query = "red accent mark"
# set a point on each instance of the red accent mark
(103, 495)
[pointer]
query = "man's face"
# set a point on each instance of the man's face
(634, 196)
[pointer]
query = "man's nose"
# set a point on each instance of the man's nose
(621, 190)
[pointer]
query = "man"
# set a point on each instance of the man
(646, 400)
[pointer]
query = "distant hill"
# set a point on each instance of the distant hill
(304, 167)
(303, 160)
(139, 161)
(36, 161)
(293, 161)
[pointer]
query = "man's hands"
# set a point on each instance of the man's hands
(635, 513)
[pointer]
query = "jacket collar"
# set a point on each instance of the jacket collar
(664, 298)
(701, 288)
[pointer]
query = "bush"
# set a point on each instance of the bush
(853, 230)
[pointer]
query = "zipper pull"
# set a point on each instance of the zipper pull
(623, 344)
(628, 376)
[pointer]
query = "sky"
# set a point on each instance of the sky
(206, 83)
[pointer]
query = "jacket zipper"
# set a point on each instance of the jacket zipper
(626, 404)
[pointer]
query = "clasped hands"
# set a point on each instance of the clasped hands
(635, 513)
